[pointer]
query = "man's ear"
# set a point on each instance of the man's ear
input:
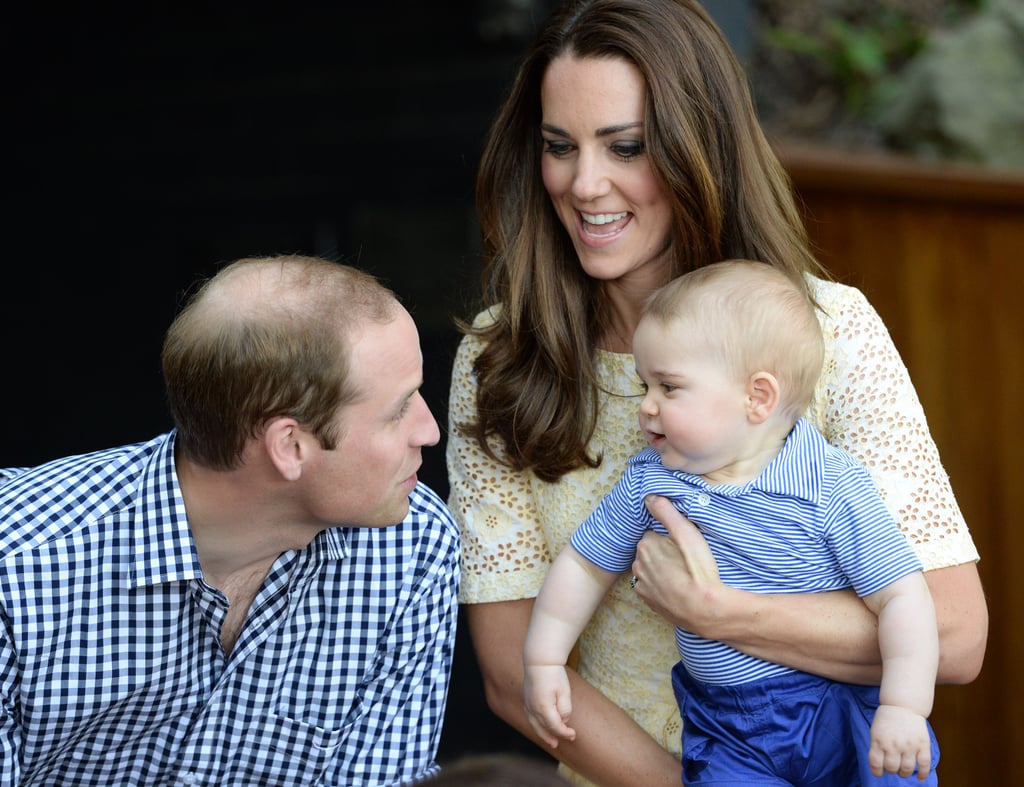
(762, 396)
(285, 444)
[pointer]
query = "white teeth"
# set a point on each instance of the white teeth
(602, 218)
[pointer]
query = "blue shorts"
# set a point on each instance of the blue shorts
(794, 729)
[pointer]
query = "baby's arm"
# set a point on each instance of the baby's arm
(571, 592)
(908, 640)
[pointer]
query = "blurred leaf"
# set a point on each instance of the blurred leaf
(858, 51)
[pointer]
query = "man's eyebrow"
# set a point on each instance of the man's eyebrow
(601, 132)
(411, 392)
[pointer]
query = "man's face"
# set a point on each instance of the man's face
(366, 480)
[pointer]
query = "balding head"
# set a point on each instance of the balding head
(266, 337)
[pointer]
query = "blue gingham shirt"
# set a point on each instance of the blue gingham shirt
(110, 660)
(812, 521)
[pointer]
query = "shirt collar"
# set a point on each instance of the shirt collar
(798, 468)
(331, 544)
(164, 549)
(163, 545)
(796, 471)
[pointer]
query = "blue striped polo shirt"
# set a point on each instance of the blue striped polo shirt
(812, 521)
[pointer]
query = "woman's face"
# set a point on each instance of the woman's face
(597, 173)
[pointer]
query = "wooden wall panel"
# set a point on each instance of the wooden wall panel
(939, 251)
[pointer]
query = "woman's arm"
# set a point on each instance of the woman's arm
(610, 748)
(962, 617)
(829, 634)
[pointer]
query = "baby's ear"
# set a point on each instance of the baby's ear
(762, 396)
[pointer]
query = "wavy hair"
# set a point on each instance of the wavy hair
(537, 397)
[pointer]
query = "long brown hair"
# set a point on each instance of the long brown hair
(538, 395)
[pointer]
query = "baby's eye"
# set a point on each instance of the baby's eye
(668, 387)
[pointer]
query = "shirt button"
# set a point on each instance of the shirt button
(189, 779)
(703, 498)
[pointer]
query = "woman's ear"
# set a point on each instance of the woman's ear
(286, 447)
(762, 396)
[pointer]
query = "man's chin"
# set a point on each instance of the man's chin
(396, 515)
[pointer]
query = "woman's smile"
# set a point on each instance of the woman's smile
(603, 225)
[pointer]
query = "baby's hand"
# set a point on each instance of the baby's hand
(899, 741)
(548, 702)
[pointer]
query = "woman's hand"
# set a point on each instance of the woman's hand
(832, 634)
(677, 576)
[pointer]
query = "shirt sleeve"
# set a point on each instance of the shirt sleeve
(870, 548)
(866, 404)
(399, 729)
(505, 553)
(10, 727)
(608, 537)
(10, 473)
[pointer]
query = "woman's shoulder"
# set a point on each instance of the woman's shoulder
(843, 307)
(485, 318)
(828, 291)
(473, 341)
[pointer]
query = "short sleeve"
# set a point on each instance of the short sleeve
(505, 555)
(866, 404)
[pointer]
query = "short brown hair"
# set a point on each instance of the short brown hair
(266, 336)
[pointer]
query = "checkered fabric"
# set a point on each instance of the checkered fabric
(111, 669)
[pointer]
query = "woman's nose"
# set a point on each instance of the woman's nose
(590, 180)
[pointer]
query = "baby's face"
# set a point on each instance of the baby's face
(694, 412)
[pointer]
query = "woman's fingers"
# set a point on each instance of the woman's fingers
(675, 575)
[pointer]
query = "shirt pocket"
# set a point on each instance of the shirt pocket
(289, 750)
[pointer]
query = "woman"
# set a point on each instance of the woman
(627, 153)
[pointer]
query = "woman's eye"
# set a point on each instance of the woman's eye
(628, 150)
(557, 148)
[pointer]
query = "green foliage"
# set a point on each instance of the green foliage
(860, 51)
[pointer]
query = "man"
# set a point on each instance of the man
(263, 596)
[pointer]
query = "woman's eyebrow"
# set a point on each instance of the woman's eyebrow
(601, 132)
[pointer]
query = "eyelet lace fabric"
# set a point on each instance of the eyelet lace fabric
(513, 524)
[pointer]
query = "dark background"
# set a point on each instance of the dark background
(152, 145)
(148, 144)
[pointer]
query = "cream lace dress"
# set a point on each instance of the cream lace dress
(514, 524)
